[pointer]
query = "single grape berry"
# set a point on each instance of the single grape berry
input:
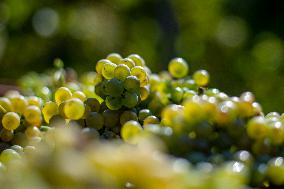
(178, 67)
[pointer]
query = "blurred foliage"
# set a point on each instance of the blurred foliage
(239, 42)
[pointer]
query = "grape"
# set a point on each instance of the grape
(176, 94)
(74, 109)
(50, 109)
(111, 118)
(128, 62)
(130, 130)
(130, 100)
(90, 133)
(113, 103)
(201, 77)
(121, 72)
(127, 116)
(34, 100)
(114, 58)
(108, 70)
(257, 128)
(9, 155)
(19, 103)
(6, 104)
(178, 67)
(100, 89)
(32, 115)
(139, 61)
(100, 64)
(57, 120)
(141, 74)
(32, 131)
(144, 92)
(275, 170)
(6, 135)
(18, 149)
(151, 120)
(80, 95)
(11, 121)
(132, 84)
(93, 104)
(114, 87)
(95, 120)
(143, 114)
(62, 94)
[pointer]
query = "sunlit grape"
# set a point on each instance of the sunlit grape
(11, 121)
(74, 109)
(178, 67)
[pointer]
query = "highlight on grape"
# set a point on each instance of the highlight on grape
(121, 126)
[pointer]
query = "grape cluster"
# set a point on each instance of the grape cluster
(205, 134)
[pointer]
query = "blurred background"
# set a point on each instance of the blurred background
(239, 42)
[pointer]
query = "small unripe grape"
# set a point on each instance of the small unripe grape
(93, 104)
(114, 58)
(6, 135)
(141, 74)
(114, 87)
(132, 84)
(32, 131)
(62, 94)
(111, 118)
(11, 121)
(80, 95)
(100, 64)
(128, 62)
(113, 103)
(95, 120)
(144, 92)
(32, 115)
(108, 70)
(121, 72)
(275, 170)
(201, 78)
(130, 100)
(257, 128)
(19, 103)
(143, 114)
(139, 61)
(6, 104)
(50, 109)
(128, 116)
(74, 109)
(130, 130)
(9, 155)
(178, 67)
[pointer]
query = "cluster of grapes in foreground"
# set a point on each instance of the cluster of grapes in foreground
(121, 126)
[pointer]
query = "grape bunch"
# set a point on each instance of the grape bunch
(173, 119)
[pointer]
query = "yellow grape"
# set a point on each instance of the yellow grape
(6, 104)
(114, 58)
(130, 130)
(11, 121)
(141, 74)
(50, 109)
(19, 103)
(80, 95)
(33, 116)
(62, 94)
(74, 109)
(108, 70)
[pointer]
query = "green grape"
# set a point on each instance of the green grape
(100, 64)
(257, 128)
(32, 132)
(143, 114)
(144, 92)
(11, 121)
(111, 118)
(275, 170)
(57, 120)
(113, 103)
(19, 103)
(130, 130)
(276, 132)
(130, 100)
(176, 94)
(90, 133)
(92, 104)
(9, 155)
(128, 62)
(34, 100)
(114, 87)
(6, 104)
(141, 74)
(201, 78)
(247, 97)
(114, 58)
(139, 61)
(49, 109)
(62, 94)
(132, 84)
(121, 72)
(32, 115)
(18, 149)
(151, 120)
(127, 116)
(74, 109)
(80, 95)
(108, 70)
(95, 120)
(100, 89)
(6, 135)
(178, 67)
